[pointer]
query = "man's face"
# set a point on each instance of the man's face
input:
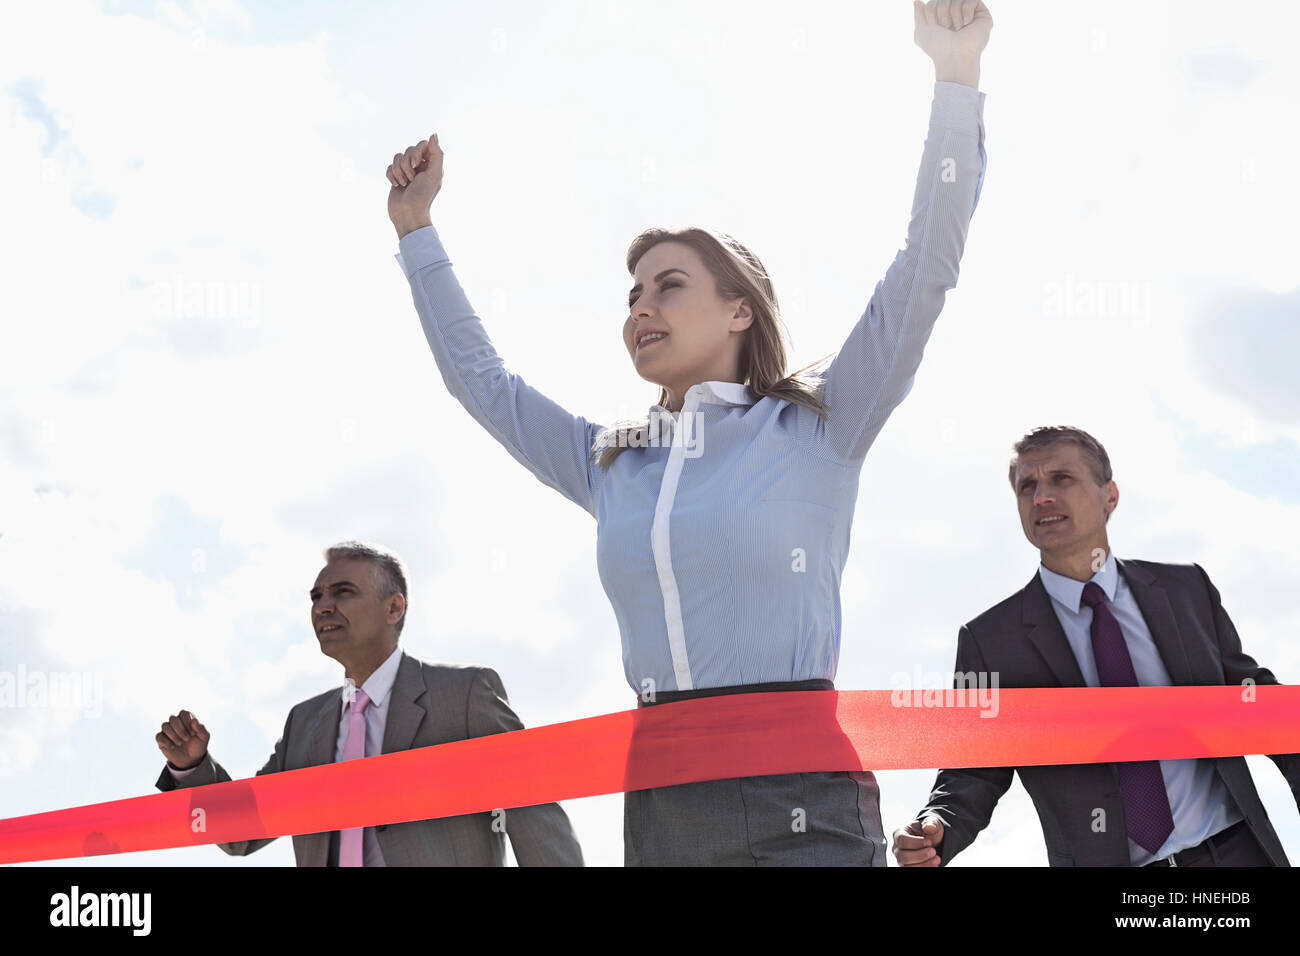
(349, 615)
(1062, 508)
(675, 294)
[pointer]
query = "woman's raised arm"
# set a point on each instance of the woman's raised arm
(546, 439)
(873, 371)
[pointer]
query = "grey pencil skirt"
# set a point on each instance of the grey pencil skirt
(789, 819)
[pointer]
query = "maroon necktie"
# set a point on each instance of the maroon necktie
(1146, 802)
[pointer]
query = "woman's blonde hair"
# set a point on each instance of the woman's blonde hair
(736, 272)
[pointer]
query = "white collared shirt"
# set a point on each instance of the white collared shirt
(378, 687)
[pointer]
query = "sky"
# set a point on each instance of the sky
(212, 368)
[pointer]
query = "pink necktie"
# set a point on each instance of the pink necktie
(350, 845)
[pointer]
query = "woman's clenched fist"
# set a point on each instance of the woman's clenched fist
(416, 177)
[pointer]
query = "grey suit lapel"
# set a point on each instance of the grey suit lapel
(312, 849)
(1043, 629)
(323, 734)
(1153, 600)
(405, 714)
(406, 709)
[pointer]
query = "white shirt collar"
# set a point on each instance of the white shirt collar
(377, 685)
(717, 393)
(1069, 592)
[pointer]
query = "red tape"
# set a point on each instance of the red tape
(708, 738)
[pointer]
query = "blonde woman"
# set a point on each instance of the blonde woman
(723, 518)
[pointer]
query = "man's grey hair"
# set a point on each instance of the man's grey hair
(1094, 455)
(1046, 436)
(386, 567)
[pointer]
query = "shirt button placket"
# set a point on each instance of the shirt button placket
(660, 545)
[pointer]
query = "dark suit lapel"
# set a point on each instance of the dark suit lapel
(1153, 600)
(1046, 633)
(1043, 629)
(406, 710)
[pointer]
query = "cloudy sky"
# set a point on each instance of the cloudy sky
(212, 368)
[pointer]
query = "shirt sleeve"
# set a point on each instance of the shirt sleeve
(540, 835)
(546, 439)
(873, 372)
(964, 799)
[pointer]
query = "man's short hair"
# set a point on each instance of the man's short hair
(1048, 435)
(389, 575)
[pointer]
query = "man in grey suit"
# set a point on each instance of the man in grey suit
(393, 702)
(1088, 619)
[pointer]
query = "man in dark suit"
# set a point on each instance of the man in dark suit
(1088, 619)
(389, 702)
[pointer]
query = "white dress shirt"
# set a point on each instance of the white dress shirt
(378, 688)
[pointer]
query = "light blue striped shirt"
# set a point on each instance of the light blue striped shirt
(721, 546)
(1197, 797)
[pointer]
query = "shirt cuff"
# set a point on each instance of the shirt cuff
(182, 774)
(957, 107)
(419, 248)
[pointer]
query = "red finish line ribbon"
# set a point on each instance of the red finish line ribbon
(707, 738)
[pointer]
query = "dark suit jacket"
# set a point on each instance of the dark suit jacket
(1022, 640)
(430, 704)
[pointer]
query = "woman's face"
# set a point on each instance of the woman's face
(700, 332)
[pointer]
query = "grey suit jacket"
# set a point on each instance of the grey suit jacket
(1022, 640)
(431, 704)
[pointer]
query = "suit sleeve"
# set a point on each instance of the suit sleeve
(540, 835)
(1239, 666)
(963, 800)
(551, 443)
(209, 771)
(873, 371)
